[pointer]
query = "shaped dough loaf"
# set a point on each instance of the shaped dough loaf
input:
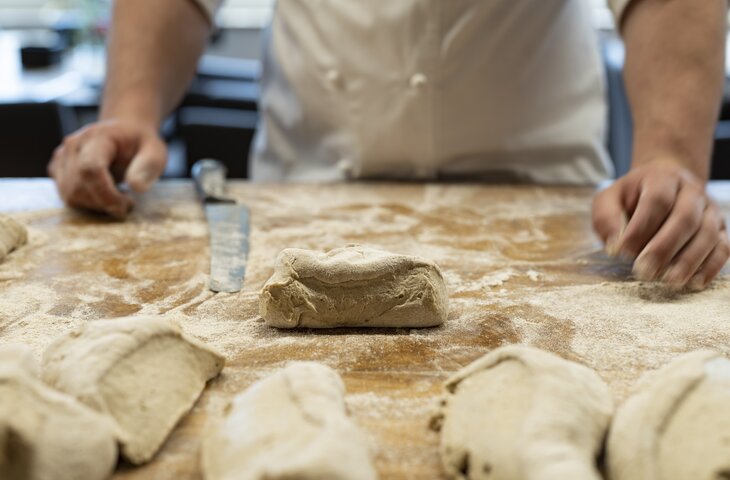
(292, 424)
(519, 413)
(676, 427)
(12, 235)
(20, 356)
(45, 434)
(143, 372)
(353, 286)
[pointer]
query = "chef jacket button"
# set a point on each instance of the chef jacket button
(418, 81)
(334, 78)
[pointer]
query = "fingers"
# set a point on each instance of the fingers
(682, 223)
(58, 168)
(712, 266)
(148, 165)
(656, 199)
(689, 260)
(88, 164)
(93, 170)
(81, 169)
(609, 218)
(675, 232)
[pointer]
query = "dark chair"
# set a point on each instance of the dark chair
(217, 118)
(223, 134)
(721, 153)
(29, 132)
(223, 93)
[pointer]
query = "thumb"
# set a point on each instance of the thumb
(147, 165)
(609, 218)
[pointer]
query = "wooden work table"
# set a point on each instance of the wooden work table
(521, 263)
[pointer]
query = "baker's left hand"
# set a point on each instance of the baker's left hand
(660, 215)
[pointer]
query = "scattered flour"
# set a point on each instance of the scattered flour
(624, 328)
(533, 275)
(541, 286)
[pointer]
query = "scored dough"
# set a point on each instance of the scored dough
(143, 372)
(292, 424)
(12, 235)
(521, 413)
(353, 286)
(676, 427)
(45, 434)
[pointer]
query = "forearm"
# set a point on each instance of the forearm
(674, 75)
(152, 54)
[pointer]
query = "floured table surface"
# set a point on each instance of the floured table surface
(521, 264)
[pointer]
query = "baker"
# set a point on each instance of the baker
(442, 89)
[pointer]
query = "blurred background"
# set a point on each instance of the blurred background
(52, 73)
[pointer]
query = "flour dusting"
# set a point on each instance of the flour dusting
(521, 267)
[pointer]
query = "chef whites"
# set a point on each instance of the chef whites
(498, 89)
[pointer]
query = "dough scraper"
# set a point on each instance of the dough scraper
(228, 224)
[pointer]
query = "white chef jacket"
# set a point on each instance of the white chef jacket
(425, 89)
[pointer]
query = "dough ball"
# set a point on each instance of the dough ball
(19, 356)
(45, 434)
(353, 286)
(677, 425)
(12, 235)
(521, 413)
(292, 424)
(143, 372)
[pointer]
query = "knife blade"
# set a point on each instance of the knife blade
(228, 225)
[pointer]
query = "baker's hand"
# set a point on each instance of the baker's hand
(90, 162)
(660, 215)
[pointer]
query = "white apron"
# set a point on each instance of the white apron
(425, 89)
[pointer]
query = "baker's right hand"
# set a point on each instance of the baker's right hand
(90, 162)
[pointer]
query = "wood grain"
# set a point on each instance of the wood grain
(501, 248)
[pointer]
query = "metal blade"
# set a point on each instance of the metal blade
(229, 227)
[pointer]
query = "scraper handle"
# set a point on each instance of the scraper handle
(210, 181)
